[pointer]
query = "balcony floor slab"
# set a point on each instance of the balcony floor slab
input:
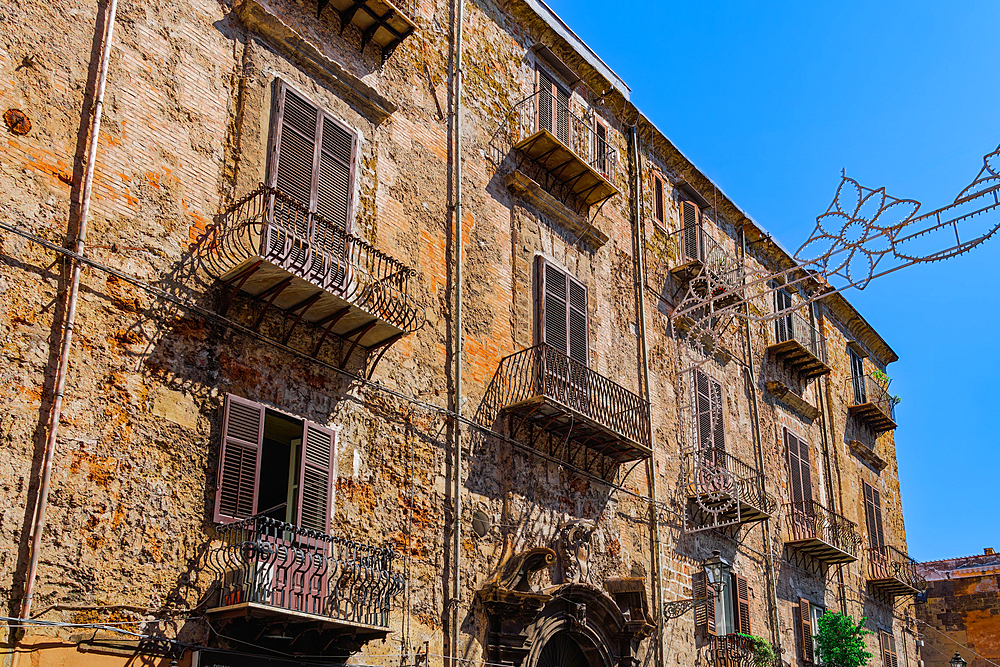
(822, 551)
(264, 611)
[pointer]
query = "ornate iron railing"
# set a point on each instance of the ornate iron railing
(717, 473)
(808, 520)
(543, 110)
(270, 224)
(890, 563)
(269, 562)
(866, 389)
(795, 326)
(736, 650)
(544, 371)
(695, 245)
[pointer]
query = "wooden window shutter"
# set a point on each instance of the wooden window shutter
(563, 312)
(800, 475)
(600, 146)
(873, 516)
(545, 102)
(806, 630)
(782, 325)
(658, 198)
(239, 459)
(312, 162)
(692, 230)
(709, 412)
(888, 644)
(317, 477)
(704, 614)
(741, 588)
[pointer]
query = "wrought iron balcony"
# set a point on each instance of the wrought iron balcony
(797, 343)
(578, 405)
(892, 572)
(871, 404)
(274, 248)
(735, 650)
(385, 22)
(706, 265)
(823, 534)
(271, 569)
(574, 157)
(723, 490)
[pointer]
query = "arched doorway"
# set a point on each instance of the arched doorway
(562, 651)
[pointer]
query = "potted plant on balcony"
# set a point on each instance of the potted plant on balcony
(840, 642)
(761, 649)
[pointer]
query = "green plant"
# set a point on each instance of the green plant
(881, 378)
(840, 641)
(763, 650)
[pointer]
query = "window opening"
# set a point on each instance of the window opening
(858, 377)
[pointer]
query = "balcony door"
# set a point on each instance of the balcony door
(312, 166)
(714, 474)
(858, 378)
(800, 487)
(876, 537)
(553, 107)
(563, 331)
(783, 324)
(691, 232)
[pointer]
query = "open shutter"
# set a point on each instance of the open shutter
(545, 102)
(800, 475)
(600, 146)
(317, 477)
(742, 600)
(293, 164)
(692, 231)
(782, 325)
(704, 614)
(562, 115)
(888, 644)
(239, 459)
(577, 321)
(718, 423)
(806, 630)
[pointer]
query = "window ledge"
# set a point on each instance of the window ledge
(528, 190)
(260, 18)
(784, 394)
(867, 454)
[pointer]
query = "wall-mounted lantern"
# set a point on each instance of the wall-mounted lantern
(716, 573)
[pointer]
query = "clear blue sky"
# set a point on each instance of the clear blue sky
(772, 100)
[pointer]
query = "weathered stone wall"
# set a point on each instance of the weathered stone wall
(186, 131)
(962, 608)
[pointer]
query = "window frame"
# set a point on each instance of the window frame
(228, 472)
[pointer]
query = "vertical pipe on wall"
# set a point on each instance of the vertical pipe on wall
(772, 583)
(38, 526)
(640, 289)
(459, 340)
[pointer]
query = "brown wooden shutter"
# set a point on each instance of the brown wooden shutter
(709, 412)
(239, 459)
(783, 324)
(600, 146)
(293, 163)
(692, 231)
(888, 644)
(704, 614)
(563, 306)
(806, 630)
(742, 603)
(873, 516)
(545, 102)
(317, 477)
(658, 198)
(800, 475)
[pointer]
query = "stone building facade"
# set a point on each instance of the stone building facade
(300, 215)
(962, 610)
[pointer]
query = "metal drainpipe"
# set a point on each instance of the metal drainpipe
(759, 452)
(457, 127)
(640, 285)
(38, 526)
(824, 406)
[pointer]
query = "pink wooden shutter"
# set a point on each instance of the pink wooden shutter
(239, 459)
(317, 477)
